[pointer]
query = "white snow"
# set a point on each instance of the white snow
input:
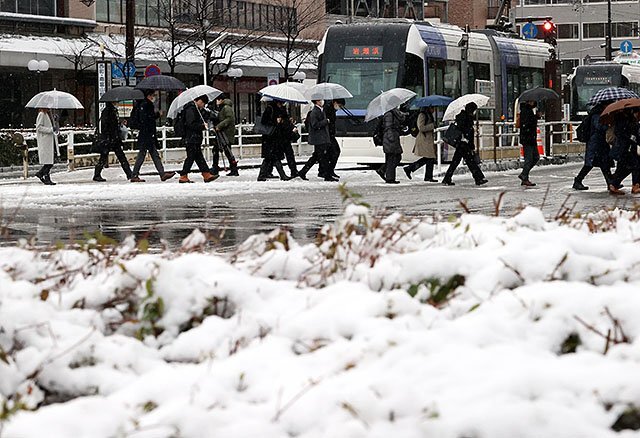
(280, 339)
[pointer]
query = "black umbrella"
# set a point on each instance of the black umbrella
(538, 94)
(119, 94)
(161, 82)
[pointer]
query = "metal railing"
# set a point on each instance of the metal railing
(247, 144)
(499, 141)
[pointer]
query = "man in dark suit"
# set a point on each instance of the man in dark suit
(147, 138)
(319, 137)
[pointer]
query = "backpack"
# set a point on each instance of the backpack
(180, 124)
(378, 133)
(134, 117)
(584, 130)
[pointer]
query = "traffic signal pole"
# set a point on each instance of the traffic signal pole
(607, 48)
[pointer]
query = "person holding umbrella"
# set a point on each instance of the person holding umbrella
(465, 147)
(597, 149)
(424, 146)
(46, 139)
(110, 133)
(625, 149)
(272, 152)
(393, 123)
(147, 137)
(330, 109)
(528, 134)
(194, 124)
(225, 135)
(320, 139)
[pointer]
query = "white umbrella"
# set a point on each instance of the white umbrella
(302, 88)
(386, 101)
(54, 99)
(284, 92)
(458, 105)
(329, 91)
(189, 95)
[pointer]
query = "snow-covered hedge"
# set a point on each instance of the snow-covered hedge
(478, 327)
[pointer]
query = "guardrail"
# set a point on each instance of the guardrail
(500, 141)
(495, 141)
(248, 144)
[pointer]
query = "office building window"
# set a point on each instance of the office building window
(593, 30)
(624, 29)
(31, 7)
(567, 31)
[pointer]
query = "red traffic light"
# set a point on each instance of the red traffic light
(548, 26)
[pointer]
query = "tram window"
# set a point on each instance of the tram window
(520, 79)
(479, 71)
(413, 74)
(364, 79)
(444, 77)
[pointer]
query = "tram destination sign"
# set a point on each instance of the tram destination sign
(363, 52)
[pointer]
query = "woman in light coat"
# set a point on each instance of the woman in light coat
(46, 142)
(425, 146)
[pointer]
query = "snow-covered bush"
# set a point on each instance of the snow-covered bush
(385, 326)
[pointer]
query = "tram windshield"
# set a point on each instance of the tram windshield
(365, 80)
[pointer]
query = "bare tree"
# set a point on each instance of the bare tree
(202, 21)
(81, 54)
(177, 40)
(292, 19)
(115, 46)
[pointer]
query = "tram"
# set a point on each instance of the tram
(586, 80)
(368, 58)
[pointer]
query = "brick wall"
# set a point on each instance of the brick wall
(471, 12)
(75, 9)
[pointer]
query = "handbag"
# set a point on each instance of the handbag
(294, 136)
(261, 128)
(100, 145)
(453, 135)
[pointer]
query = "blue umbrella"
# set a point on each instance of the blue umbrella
(433, 100)
(611, 94)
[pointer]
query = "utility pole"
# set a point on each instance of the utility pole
(130, 21)
(607, 38)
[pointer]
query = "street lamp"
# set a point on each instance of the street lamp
(38, 67)
(235, 74)
(299, 76)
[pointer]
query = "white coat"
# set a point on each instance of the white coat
(45, 138)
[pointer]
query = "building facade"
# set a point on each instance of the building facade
(73, 35)
(581, 26)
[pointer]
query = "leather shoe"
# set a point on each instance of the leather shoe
(393, 182)
(167, 175)
(98, 178)
(431, 180)
(331, 179)
(380, 174)
(136, 179)
(484, 181)
(407, 171)
(448, 182)
(577, 185)
(527, 183)
(615, 190)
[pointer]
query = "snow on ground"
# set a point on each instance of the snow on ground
(481, 327)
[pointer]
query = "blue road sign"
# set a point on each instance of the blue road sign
(118, 70)
(626, 47)
(530, 30)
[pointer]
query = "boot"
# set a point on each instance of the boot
(233, 169)
(577, 184)
(96, 174)
(167, 175)
(184, 179)
(280, 170)
(41, 178)
(635, 189)
(577, 181)
(407, 171)
(47, 180)
(428, 171)
(208, 177)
